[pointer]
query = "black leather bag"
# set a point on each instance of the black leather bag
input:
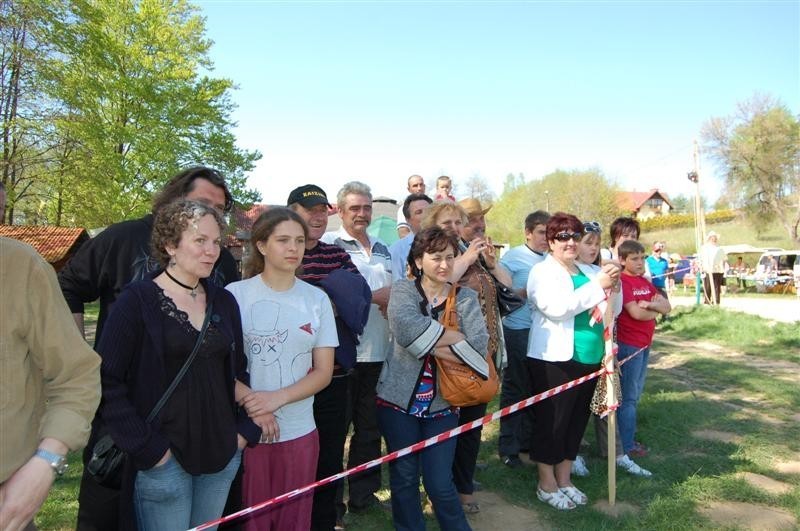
(107, 463)
(507, 300)
(106, 466)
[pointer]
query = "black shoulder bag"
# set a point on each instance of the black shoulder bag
(107, 462)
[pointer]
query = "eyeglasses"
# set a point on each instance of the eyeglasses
(567, 236)
(591, 226)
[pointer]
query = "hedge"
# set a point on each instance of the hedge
(675, 221)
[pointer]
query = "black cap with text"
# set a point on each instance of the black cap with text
(308, 196)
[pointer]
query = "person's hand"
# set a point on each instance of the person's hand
(381, 298)
(270, 431)
(24, 492)
(645, 305)
(608, 275)
(164, 459)
(489, 254)
(262, 402)
(474, 250)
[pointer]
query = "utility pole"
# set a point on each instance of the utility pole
(699, 219)
(547, 200)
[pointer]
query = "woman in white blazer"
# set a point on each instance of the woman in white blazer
(563, 346)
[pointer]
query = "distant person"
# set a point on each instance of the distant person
(371, 257)
(413, 209)
(50, 383)
(444, 189)
(621, 229)
(515, 429)
(659, 267)
(101, 269)
(330, 268)
(414, 185)
(290, 334)
(642, 303)
(564, 345)
(181, 464)
(712, 263)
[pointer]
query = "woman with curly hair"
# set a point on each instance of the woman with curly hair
(180, 464)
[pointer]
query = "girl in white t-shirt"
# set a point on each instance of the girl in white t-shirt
(289, 336)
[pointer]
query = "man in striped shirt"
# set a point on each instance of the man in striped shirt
(330, 404)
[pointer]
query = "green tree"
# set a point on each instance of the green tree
(26, 113)
(134, 102)
(758, 149)
(586, 193)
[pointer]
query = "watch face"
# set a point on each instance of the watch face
(60, 466)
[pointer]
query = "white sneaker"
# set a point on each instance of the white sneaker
(627, 464)
(579, 467)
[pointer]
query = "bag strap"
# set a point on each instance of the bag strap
(450, 315)
(184, 369)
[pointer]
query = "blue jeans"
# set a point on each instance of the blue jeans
(401, 430)
(167, 498)
(632, 376)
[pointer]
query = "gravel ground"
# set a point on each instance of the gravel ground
(785, 309)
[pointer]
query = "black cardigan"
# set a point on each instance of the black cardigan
(134, 378)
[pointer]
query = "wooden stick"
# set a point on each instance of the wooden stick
(611, 400)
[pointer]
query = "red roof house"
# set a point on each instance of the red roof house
(644, 205)
(55, 244)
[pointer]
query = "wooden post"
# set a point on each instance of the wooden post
(611, 400)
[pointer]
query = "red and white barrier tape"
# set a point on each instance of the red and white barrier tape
(416, 447)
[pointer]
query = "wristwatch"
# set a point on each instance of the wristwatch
(58, 462)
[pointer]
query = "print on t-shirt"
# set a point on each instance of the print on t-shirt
(264, 342)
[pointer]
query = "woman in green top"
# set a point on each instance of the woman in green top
(564, 346)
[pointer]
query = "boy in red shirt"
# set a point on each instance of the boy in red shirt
(642, 303)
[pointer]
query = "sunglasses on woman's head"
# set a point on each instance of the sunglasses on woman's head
(591, 226)
(567, 236)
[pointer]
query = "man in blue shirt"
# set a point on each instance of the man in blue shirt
(515, 429)
(658, 266)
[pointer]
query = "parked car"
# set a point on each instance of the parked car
(683, 268)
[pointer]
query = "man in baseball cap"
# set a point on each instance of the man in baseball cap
(321, 262)
(309, 195)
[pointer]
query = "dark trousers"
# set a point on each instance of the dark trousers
(559, 421)
(365, 443)
(330, 415)
(98, 506)
(515, 429)
(467, 447)
(712, 293)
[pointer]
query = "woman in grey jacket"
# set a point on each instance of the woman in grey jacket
(409, 406)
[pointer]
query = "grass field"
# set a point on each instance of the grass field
(721, 402)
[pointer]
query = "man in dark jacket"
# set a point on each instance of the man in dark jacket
(103, 266)
(323, 266)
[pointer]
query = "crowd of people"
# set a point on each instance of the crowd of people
(224, 390)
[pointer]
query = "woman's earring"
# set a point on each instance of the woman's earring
(172, 261)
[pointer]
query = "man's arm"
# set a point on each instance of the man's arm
(25, 491)
(71, 376)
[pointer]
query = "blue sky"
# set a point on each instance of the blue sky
(375, 91)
